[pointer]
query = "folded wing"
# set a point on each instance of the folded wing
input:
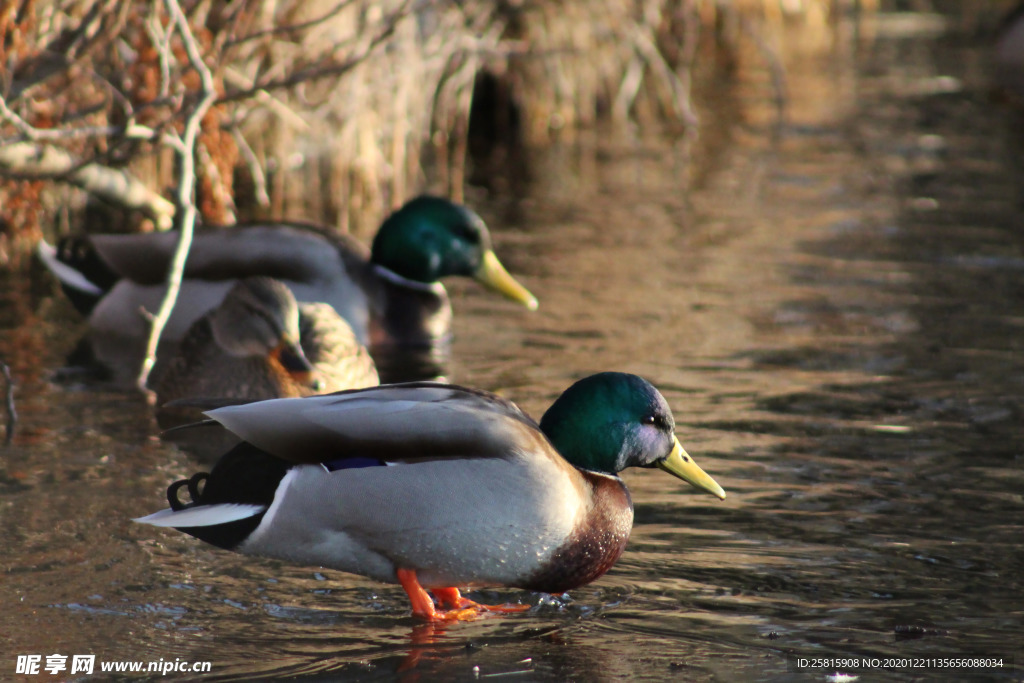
(283, 252)
(394, 423)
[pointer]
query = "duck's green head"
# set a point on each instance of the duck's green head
(610, 421)
(430, 238)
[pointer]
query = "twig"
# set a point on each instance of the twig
(69, 45)
(31, 161)
(12, 414)
(7, 114)
(322, 70)
(186, 186)
(647, 55)
(775, 67)
(162, 40)
(259, 178)
(293, 28)
(129, 131)
(690, 14)
(132, 131)
(279, 107)
(632, 79)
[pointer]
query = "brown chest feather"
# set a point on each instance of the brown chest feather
(596, 543)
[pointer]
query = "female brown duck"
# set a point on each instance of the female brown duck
(259, 343)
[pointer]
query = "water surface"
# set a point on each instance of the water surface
(832, 304)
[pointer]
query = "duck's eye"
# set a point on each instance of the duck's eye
(649, 420)
(466, 233)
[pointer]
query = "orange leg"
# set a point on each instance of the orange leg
(422, 605)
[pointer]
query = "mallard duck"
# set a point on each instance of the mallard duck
(259, 343)
(436, 486)
(389, 295)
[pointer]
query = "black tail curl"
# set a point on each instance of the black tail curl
(243, 475)
(79, 253)
(193, 483)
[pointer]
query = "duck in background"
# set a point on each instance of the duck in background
(259, 343)
(391, 295)
(436, 486)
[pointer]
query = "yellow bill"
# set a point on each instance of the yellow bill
(680, 464)
(492, 274)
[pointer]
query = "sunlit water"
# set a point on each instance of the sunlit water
(832, 304)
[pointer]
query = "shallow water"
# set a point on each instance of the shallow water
(832, 304)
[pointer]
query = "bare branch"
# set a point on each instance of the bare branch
(278, 30)
(32, 161)
(259, 178)
(12, 413)
(162, 41)
(186, 186)
(69, 46)
(8, 115)
(264, 98)
(130, 131)
(775, 67)
(322, 69)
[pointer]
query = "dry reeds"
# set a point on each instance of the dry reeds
(335, 110)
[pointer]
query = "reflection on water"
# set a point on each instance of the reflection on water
(832, 307)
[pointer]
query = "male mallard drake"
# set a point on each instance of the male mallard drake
(437, 486)
(259, 343)
(391, 295)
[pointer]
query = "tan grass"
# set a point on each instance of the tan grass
(389, 119)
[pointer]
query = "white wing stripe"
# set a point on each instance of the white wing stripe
(202, 515)
(65, 273)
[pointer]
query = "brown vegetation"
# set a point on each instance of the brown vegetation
(329, 109)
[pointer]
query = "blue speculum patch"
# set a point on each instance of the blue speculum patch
(351, 463)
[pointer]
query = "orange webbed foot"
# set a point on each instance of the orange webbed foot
(450, 597)
(459, 608)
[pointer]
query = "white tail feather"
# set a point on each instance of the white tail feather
(65, 273)
(202, 515)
